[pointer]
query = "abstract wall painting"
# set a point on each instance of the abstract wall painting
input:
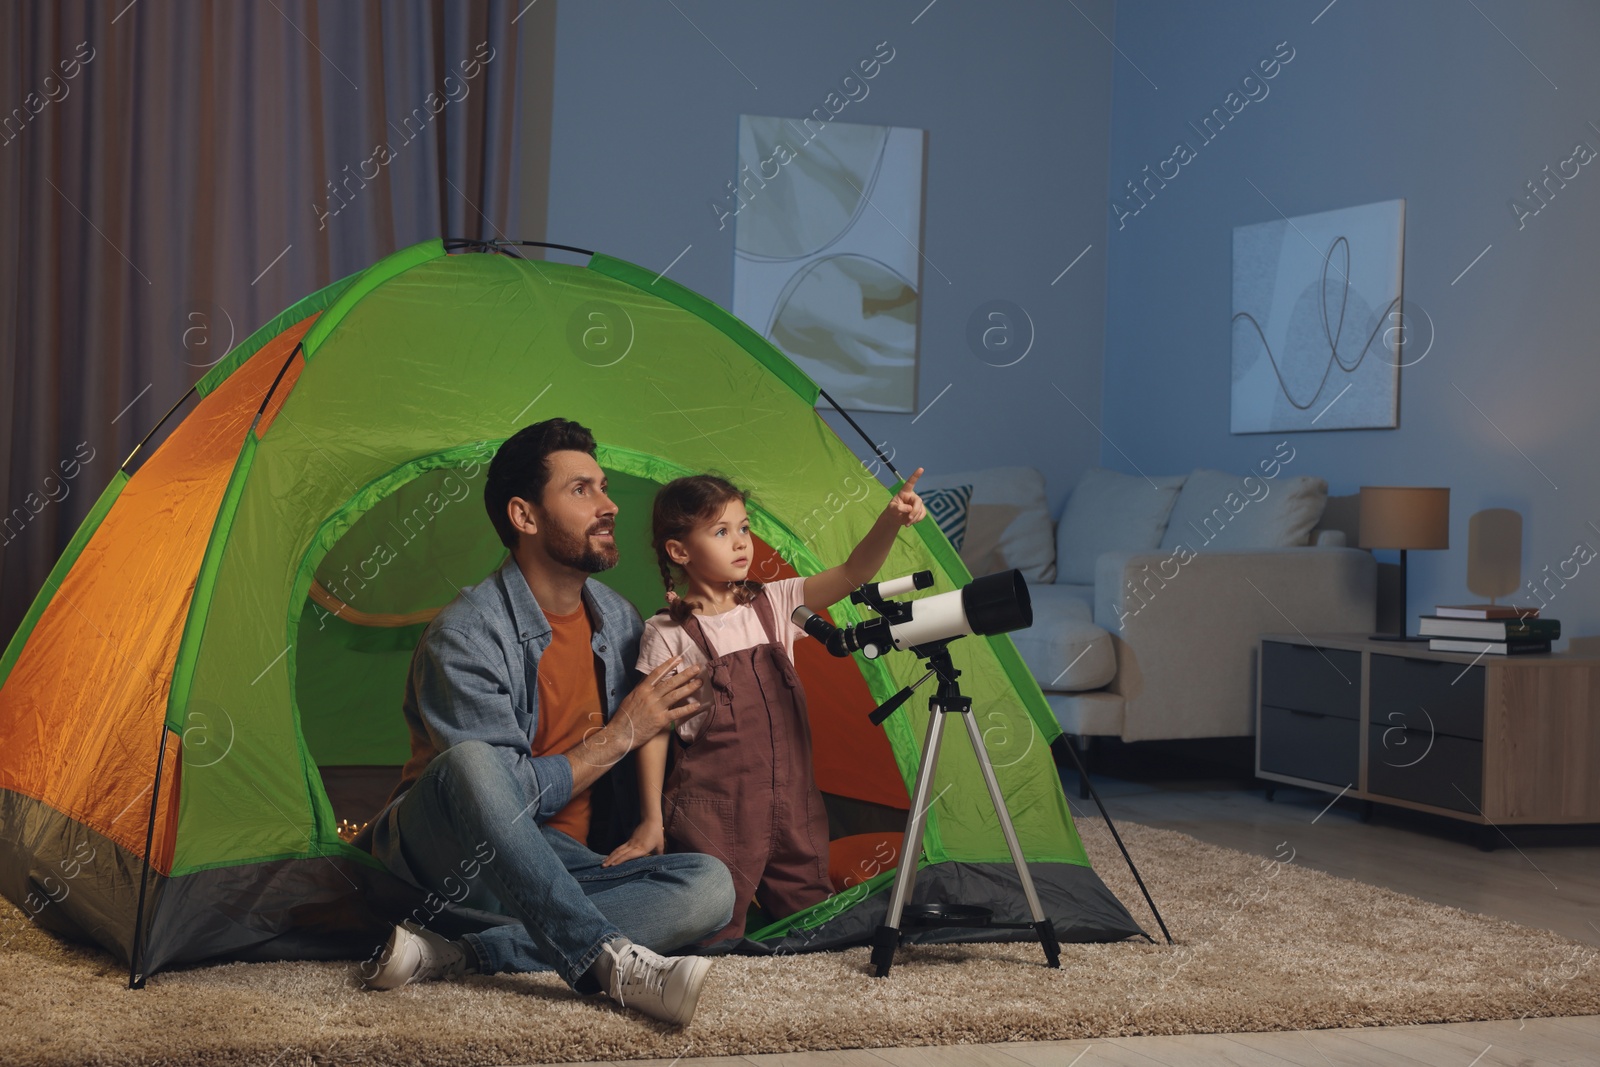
(1317, 320)
(828, 252)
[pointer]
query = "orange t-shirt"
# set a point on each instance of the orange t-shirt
(569, 706)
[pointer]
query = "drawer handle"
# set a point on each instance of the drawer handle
(1307, 714)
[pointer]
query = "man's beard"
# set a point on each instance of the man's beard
(576, 551)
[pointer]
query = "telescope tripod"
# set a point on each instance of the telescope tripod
(948, 700)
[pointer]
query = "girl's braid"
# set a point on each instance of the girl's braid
(678, 608)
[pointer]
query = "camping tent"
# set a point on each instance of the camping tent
(239, 610)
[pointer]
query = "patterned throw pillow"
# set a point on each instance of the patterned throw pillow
(949, 510)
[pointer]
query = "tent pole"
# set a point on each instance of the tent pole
(1083, 776)
(549, 244)
(495, 246)
(136, 975)
(191, 392)
(158, 426)
(859, 430)
(485, 245)
(273, 388)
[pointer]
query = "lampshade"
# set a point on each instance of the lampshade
(1404, 516)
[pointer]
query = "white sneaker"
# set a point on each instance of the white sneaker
(666, 988)
(416, 954)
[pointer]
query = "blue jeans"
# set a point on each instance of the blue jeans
(467, 833)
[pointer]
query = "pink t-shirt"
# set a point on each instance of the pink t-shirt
(730, 631)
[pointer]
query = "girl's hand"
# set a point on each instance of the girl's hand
(647, 840)
(906, 503)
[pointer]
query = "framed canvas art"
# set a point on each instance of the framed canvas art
(1317, 320)
(827, 252)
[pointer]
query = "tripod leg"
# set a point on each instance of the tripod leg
(887, 937)
(1041, 924)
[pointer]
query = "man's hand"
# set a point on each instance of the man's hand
(647, 840)
(656, 702)
(646, 711)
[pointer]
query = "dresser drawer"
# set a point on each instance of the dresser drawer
(1326, 681)
(1446, 698)
(1437, 769)
(1310, 745)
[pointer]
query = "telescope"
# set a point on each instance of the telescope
(994, 604)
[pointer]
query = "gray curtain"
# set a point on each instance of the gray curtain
(174, 173)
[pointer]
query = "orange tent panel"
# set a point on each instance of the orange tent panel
(79, 715)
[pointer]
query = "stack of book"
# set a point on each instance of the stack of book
(1497, 629)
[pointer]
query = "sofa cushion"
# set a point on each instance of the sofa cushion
(1008, 521)
(1110, 510)
(1096, 714)
(1063, 648)
(1226, 512)
(949, 508)
(1084, 593)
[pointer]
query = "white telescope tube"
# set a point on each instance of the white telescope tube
(933, 618)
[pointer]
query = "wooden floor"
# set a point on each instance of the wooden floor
(1548, 878)
(1535, 1041)
(1543, 878)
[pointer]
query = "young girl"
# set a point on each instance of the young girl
(741, 787)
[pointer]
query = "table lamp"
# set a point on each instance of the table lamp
(1494, 553)
(1403, 517)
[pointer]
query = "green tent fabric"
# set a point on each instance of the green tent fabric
(366, 488)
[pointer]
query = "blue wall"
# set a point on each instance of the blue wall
(1016, 99)
(1422, 100)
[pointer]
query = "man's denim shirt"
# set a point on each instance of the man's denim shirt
(474, 677)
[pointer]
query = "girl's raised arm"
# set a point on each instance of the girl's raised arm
(834, 584)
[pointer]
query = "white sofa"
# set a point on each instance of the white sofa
(1149, 594)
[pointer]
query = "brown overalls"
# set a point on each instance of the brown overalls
(742, 790)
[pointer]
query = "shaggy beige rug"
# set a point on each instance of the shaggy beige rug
(1263, 945)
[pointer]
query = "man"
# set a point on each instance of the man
(521, 697)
